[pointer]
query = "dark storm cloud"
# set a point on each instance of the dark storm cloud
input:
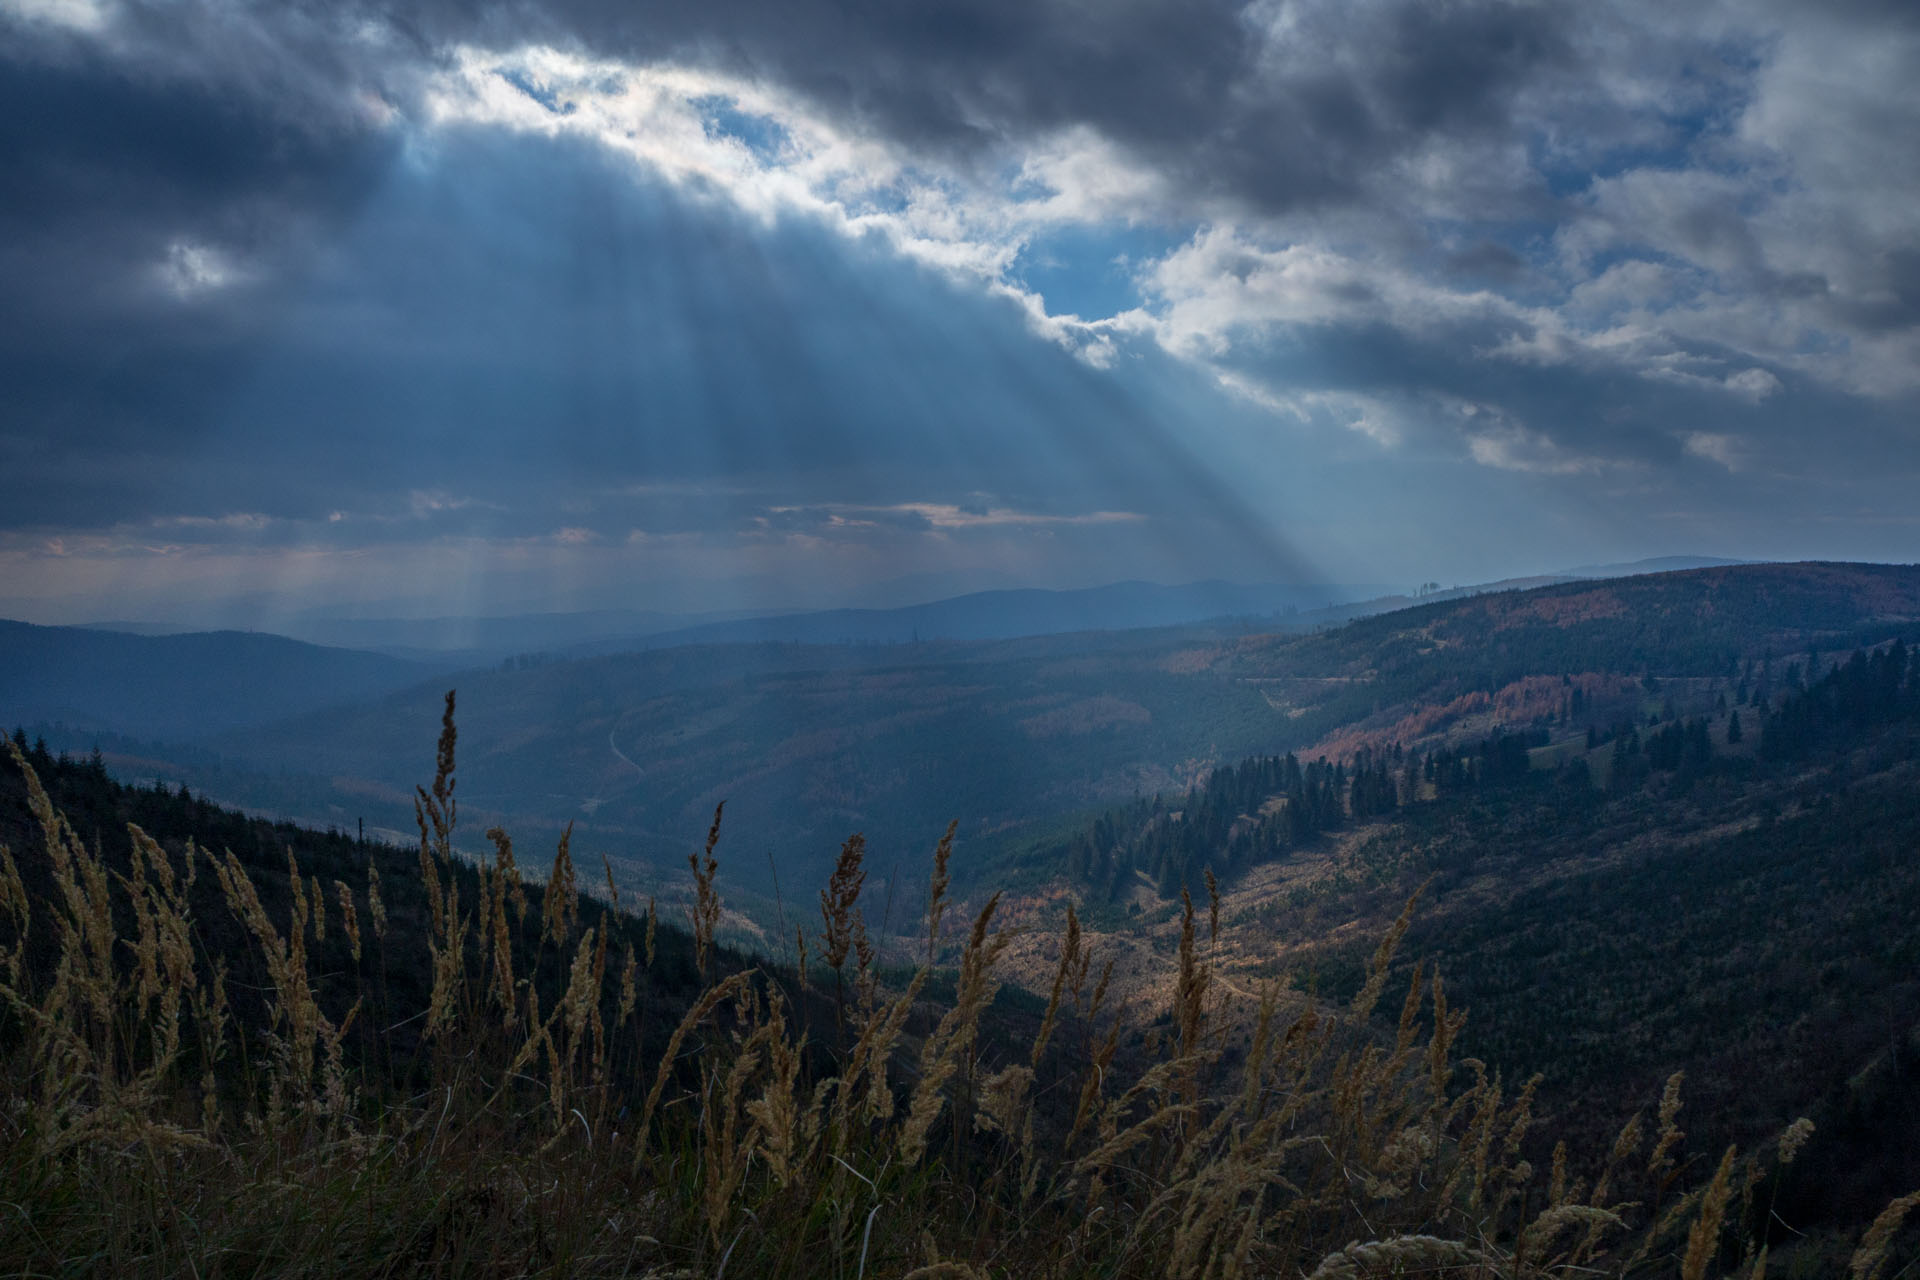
(245, 274)
(133, 183)
(1473, 144)
(504, 337)
(1206, 93)
(1227, 110)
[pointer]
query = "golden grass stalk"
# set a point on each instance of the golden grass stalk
(629, 986)
(594, 1020)
(937, 890)
(1661, 1161)
(300, 1049)
(838, 901)
(435, 813)
(164, 951)
(1793, 1139)
(1369, 994)
(349, 918)
(1069, 958)
(868, 1061)
(1870, 1259)
(1625, 1145)
(1539, 1235)
(845, 926)
(500, 882)
(376, 908)
(318, 901)
(448, 950)
(583, 992)
(709, 1000)
(1093, 1084)
(1189, 1002)
(83, 983)
(706, 902)
(728, 1151)
(784, 1139)
(16, 908)
(1703, 1240)
(561, 907)
(953, 1039)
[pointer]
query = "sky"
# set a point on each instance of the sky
(420, 308)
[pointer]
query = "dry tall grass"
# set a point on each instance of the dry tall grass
(153, 1127)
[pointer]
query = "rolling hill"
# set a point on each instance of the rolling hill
(181, 687)
(1017, 737)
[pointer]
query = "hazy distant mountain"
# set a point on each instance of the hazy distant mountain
(809, 742)
(181, 686)
(480, 641)
(1658, 564)
(980, 615)
(1002, 615)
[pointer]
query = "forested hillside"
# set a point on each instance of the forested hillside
(1533, 683)
(1674, 892)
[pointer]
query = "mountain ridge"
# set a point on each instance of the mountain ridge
(185, 685)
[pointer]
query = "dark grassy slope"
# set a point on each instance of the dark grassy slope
(181, 686)
(398, 971)
(523, 1145)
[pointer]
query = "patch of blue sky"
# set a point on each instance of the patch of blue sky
(1091, 271)
(878, 198)
(763, 136)
(1678, 146)
(1680, 271)
(539, 90)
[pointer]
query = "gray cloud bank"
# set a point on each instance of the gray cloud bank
(285, 276)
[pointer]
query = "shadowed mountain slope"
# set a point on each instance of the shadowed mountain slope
(181, 686)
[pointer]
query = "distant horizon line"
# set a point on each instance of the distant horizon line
(664, 621)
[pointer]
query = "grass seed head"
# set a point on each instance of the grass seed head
(706, 901)
(1703, 1240)
(561, 907)
(376, 908)
(349, 918)
(1869, 1260)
